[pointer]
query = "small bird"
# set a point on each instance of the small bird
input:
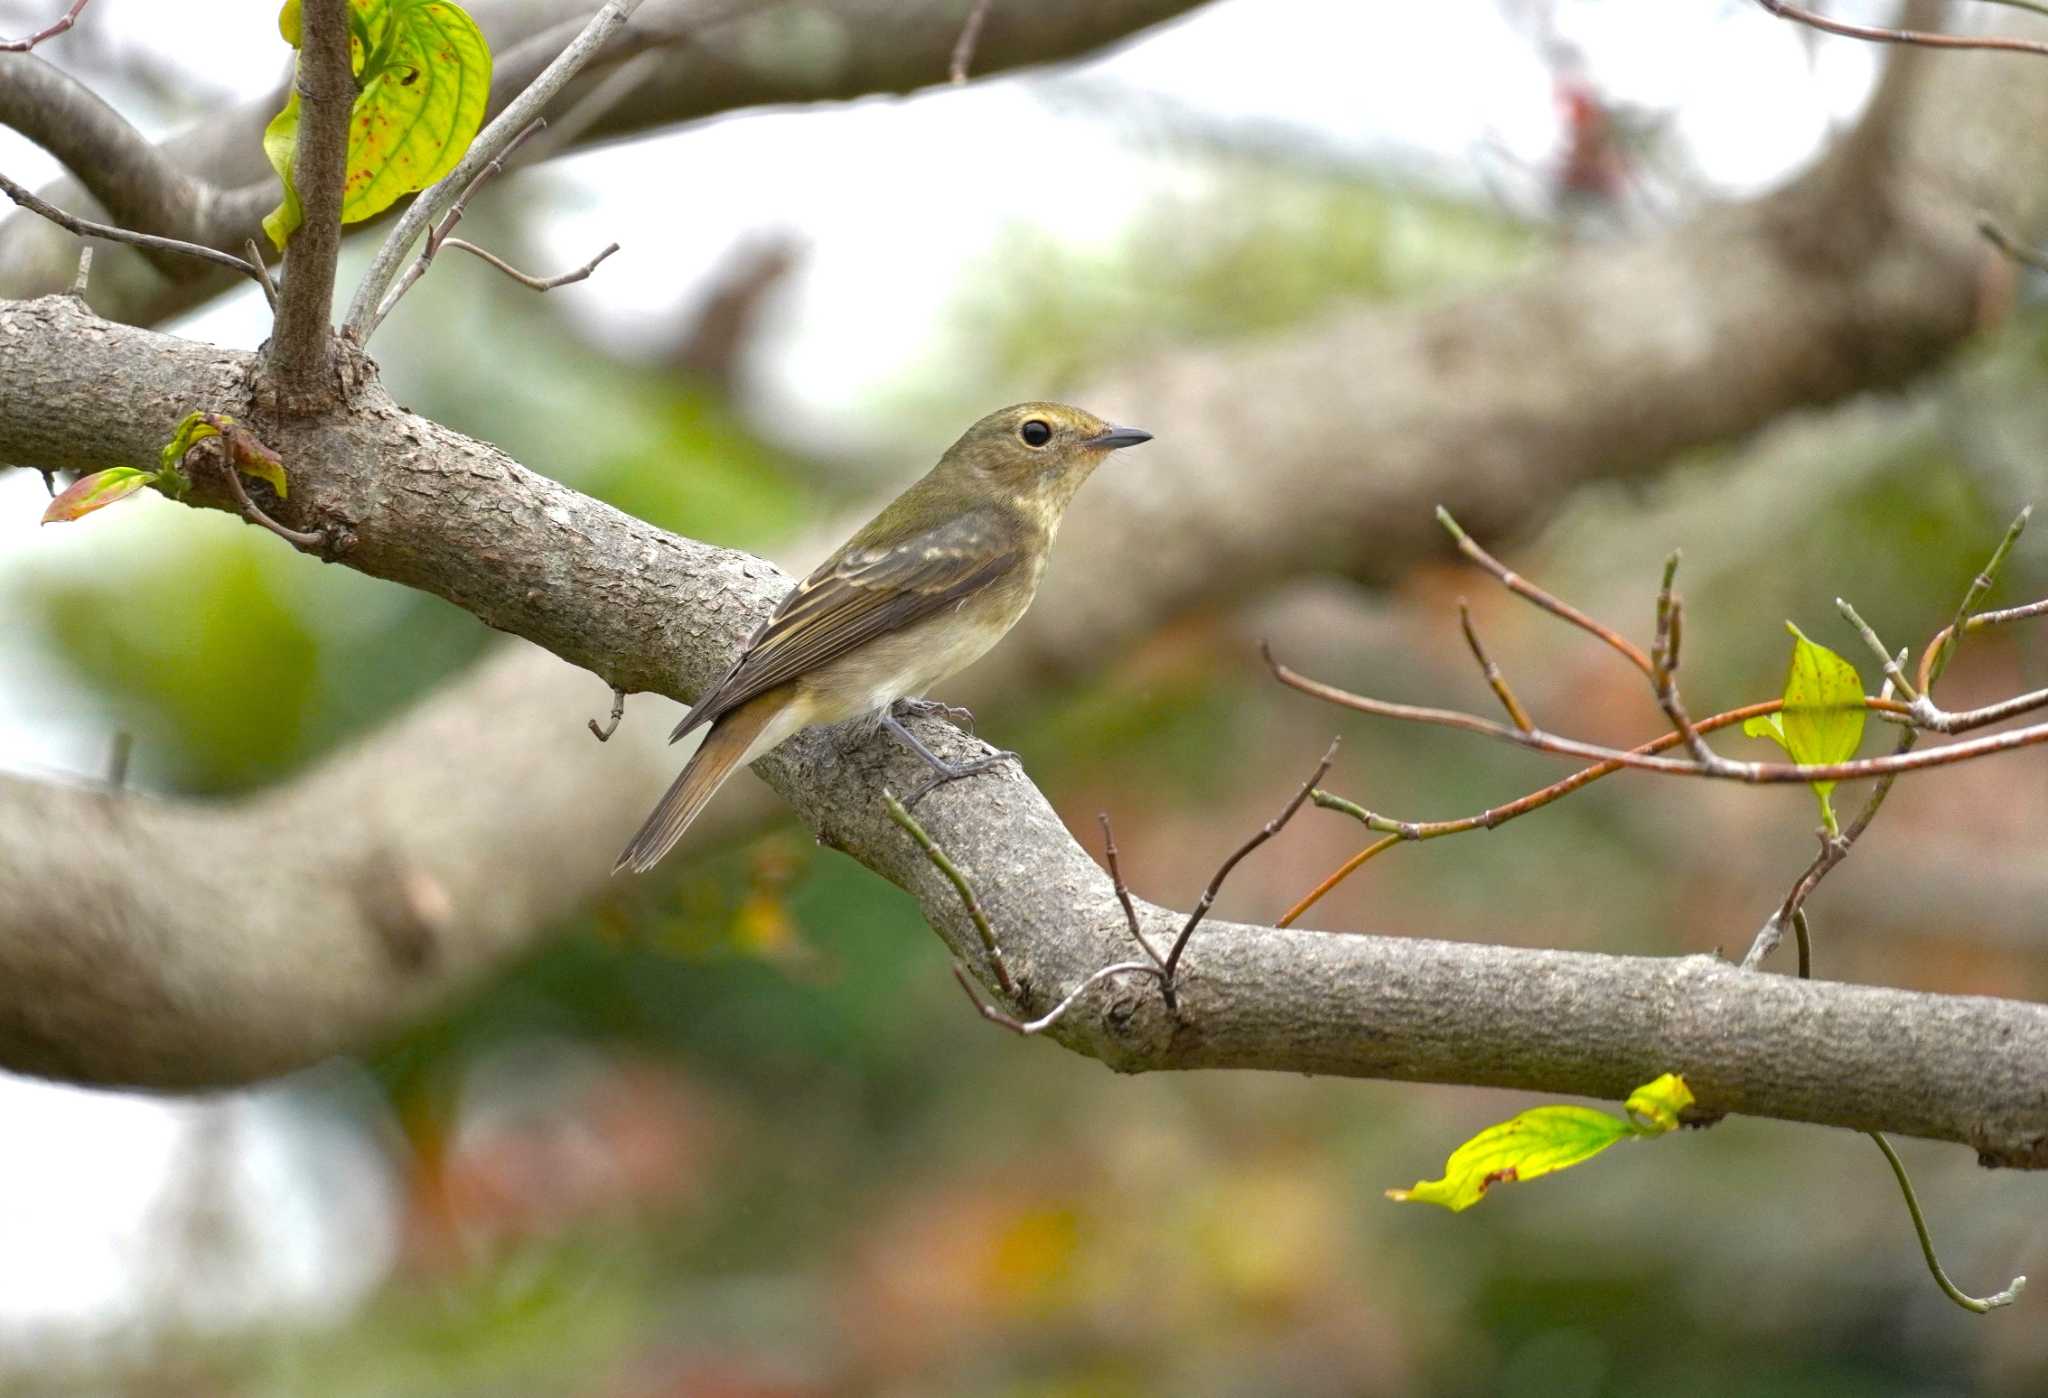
(921, 592)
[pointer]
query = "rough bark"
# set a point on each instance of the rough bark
(285, 934)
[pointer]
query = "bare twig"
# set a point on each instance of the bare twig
(1494, 678)
(1752, 773)
(368, 307)
(525, 279)
(1556, 606)
(970, 35)
(1934, 659)
(48, 31)
(438, 234)
(1877, 34)
(611, 726)
(1259, 837)
(1123, 892)
(1892, 667)
(902, 816)
(262, 273)
(301, 353)
(1397, 831)
(2012, 248)
(87, 228)
(1057, 1012)
(1664, 670)
(84, 276)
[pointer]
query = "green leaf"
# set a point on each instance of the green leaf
(423, 75)
(196, 428)
(96, 492)
(1545, 1139)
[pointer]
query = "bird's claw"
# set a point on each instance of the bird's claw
(955, 772)
(960, 718)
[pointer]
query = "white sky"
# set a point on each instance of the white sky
(894, 198)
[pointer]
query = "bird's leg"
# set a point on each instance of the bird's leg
(947, 771)
(926, 708)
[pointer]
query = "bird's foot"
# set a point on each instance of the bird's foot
(946, 771)
(953, 772)
(960, 718)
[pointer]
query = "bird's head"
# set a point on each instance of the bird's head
(1037, 454)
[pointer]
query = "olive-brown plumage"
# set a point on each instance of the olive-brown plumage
(921, 592)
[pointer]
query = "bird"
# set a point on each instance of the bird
(922, 591)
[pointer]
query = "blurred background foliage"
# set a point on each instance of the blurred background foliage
(737, 1133)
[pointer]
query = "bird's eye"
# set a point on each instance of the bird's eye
(1035, 433)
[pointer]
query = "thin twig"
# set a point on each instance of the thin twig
(1878, 35)
(940, 861)
(1934, 659)
(1556, 606)
(364, 312)
(87, 228)
(1398, 831)
(83, 277)
(1891, 666)
(1982, 1305)
(438, 234)
(312, 541)
(1057, 1012)
(1752, 773)
(2004, 242)
(525, 279)
(49, 31)
(970, 35)
(1259, 837)
(604, 734)
(1123, 892)
(262, 273)
(1494, 678)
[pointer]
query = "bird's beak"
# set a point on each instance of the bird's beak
(1109, 439)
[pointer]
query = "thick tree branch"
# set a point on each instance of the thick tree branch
(714, 56)
(340, 931)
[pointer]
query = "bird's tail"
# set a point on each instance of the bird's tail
(730, 741)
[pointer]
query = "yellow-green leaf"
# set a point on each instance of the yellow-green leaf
(244, 448)
(1823, 716)
(96, 492)
(1655, 1106)
(423, 74)
(195, 428)
(1545, 1139)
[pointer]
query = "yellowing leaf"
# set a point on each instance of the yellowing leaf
(1545, 1139)
(423, 74)
(96, 492)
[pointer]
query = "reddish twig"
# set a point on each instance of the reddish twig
(1877, 34)
(1556, 606)
(1494, 678)
(49, 31)
(1397, 832)
(1123, 893)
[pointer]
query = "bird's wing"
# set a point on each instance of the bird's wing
(858, 594)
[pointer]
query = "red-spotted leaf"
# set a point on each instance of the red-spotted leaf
(96, 492)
